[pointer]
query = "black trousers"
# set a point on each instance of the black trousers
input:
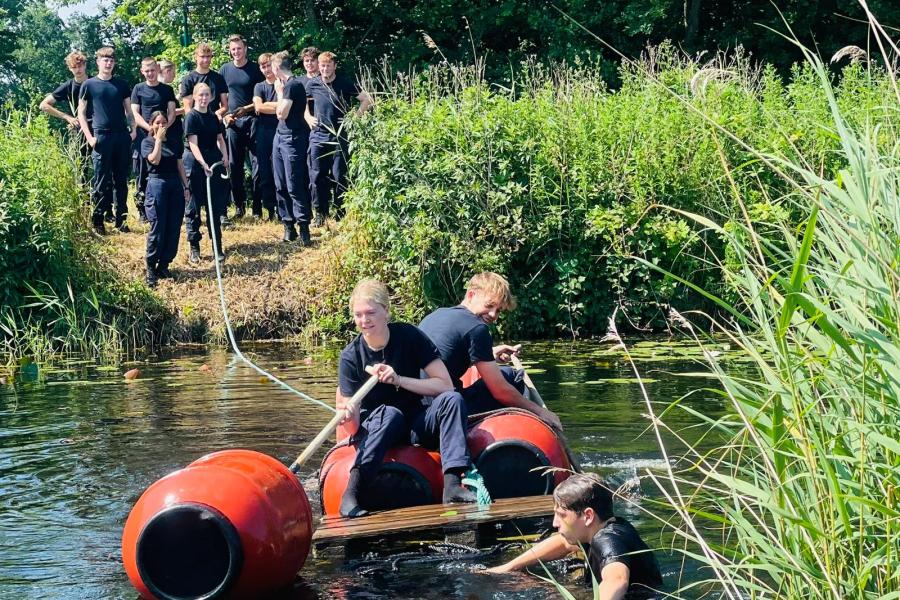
(219, 188)
(238, 137)
(440, 426)
(164, 208)
(291, 176)
(478, 398)
(263, 175)
(328, 159)
(110, 156)
(139, 168)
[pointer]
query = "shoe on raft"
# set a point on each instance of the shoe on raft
(194, 256)
(350, 507)
(455, 492)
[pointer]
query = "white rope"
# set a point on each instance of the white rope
(215, 242)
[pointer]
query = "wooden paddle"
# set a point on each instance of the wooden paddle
(536, 397)
(335, 421)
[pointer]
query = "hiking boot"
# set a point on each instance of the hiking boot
(108, 217)
(304, 234)
(123, 228)
(98, 225)
(272, 214)
(290, 234)
(350, 507)
(152, 276)
(319, 221)
(194, 256)
(455, 492)
(163, 272)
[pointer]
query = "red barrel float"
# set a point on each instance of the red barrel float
(409, 476)
(507, 445)
(233, 524)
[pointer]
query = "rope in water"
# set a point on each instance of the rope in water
(228, 329)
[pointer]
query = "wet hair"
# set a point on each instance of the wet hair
(75, 57)
(157, 113)
(309, 51)
(328, 56)
(199, 87)
(584, 490)
(202, 48)
(265, 56)
(284, 60)
(237, 38)
(495, 286)
(147, 60)
(106, 52)
(371, 290)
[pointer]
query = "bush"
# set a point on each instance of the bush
(557, 184)
(55, 293)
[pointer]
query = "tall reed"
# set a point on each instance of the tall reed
(801, 501)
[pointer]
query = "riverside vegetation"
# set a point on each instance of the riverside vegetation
(557, 182)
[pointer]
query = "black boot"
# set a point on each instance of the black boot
(304, 234)
(152, 276)
(350, 507)
(99, 225)
(162, 270)
(290, 234)
(194, 256)
(454, 490)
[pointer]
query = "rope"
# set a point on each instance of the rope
(473, 479)
(215, 242)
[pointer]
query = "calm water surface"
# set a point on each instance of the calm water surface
(79, 444)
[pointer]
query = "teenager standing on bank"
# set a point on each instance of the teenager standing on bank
(108, 99)
(265, 100)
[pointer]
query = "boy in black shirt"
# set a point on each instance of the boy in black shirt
(289, 150)
(110, 136)
(240, 75)
(218, 104)
(329, 151)
(265, 100)
(66, 94)
(617, 557)
(148, 97)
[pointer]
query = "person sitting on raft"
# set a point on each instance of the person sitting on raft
(394, 413)
(617, 557)
(463, 338)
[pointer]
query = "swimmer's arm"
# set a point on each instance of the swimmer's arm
(552, 548)
(614, 580)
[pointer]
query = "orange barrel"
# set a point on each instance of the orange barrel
(233, 524)
(409, 476)
(507, 444)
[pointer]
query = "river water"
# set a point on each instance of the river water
(79, 444)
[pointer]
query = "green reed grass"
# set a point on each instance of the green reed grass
(801, 501)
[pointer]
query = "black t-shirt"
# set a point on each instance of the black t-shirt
(295, 91)
(266, 91)
(461, 337)
(331, 101)
(206, 126)
(168, 162)
(240, 82)
(104, 100)
(408, 351)
(619, 541)
(151, 98)
(67, 94)
(215, 82)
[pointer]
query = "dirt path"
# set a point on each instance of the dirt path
(272, 288)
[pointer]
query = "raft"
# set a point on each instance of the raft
(516, 454)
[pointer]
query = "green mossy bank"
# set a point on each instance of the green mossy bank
(58, 292)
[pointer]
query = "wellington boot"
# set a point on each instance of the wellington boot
(455, 492)
(304, 234)
(350, 507)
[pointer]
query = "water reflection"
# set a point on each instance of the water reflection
(78, 445)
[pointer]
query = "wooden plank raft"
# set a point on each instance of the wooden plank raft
(430, 516)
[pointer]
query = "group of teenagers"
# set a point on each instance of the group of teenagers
(421, 399)
(179, 145)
